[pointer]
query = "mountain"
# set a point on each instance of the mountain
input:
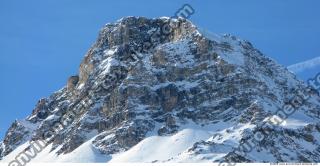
(309, 73)
(162, 90)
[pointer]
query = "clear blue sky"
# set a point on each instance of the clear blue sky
(43, 41)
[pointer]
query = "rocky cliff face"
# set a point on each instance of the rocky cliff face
(154, 77)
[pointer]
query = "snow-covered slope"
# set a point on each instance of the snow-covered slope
(183, 95)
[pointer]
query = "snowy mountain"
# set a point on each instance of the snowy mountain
(161, 90)
(309, 73)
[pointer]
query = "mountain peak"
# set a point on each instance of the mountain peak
(163, 82)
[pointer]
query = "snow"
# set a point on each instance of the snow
(309, 146)
(165, 17)
(83, 154)
(86, 153)
(160, 147)
(209, 35)
(11, 156)
(51, 117)
(107, 63)
(152, 30)
(80, 86)
(110, 51)
(224, 141)
(28, 125)
(235, 56)
(205, 156)
(179, 53)
(232, 135)
(262, 155)
(182, 85)
(302, 66)
(293, 123)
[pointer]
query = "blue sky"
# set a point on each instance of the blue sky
(43, 42)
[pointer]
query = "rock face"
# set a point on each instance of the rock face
(1, 150)
(72, 82)
(146, 77)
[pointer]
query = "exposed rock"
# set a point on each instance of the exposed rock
(139, 81)
(1, 150)
(72, 82)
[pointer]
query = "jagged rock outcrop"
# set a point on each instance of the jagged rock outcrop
(1, 150)
(72, 82)
(18, 133)
(139, 80)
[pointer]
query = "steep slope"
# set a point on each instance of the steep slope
(161, 85)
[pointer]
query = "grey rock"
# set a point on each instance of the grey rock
(137, 81)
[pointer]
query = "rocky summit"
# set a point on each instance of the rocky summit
(163, 90)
